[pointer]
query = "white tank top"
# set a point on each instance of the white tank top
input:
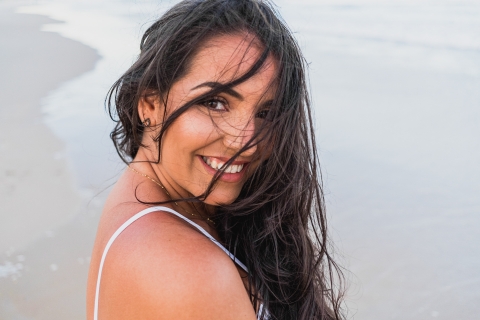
(138, 216)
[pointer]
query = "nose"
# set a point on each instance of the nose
(238, 135)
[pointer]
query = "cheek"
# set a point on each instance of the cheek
(195, 132)
(266, 140)
(185, 138)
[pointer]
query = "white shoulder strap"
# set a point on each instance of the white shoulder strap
(135, 218)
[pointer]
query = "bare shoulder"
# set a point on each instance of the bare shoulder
(161, 268)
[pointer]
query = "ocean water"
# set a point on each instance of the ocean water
(396, 92)
(75, 112)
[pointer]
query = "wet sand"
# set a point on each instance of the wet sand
(398, 135)
(46, 228)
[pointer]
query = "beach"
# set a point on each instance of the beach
(43, 258)
(396, 104)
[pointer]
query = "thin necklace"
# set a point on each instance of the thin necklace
(168, 194)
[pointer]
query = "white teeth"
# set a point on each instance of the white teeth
(217, 165)
(214, 164)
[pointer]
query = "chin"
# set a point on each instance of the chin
(217, 198)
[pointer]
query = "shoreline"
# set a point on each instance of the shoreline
(42, 214)
(34, 171)
(396, 111)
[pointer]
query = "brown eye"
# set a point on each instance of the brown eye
(262, 114)
(217, 104)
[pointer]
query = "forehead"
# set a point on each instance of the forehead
(224, 58)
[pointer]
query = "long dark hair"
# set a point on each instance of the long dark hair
(277, 226)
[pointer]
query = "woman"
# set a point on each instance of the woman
(220, 213)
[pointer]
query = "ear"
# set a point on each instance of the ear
(150, 107)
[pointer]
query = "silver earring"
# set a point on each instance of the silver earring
(146, 122)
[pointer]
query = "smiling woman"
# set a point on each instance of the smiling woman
(220, 214)
(202, 140)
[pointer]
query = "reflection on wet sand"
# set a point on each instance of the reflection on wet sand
(45, 226)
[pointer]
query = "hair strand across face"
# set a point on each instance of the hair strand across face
(277, 226)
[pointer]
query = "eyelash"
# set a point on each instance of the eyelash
(207, 103)
(261, 114)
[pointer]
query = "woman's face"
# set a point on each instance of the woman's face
(207, 135)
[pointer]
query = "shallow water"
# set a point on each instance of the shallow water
(396, 92)
(397, 103)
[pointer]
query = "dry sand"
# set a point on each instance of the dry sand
(46, 229)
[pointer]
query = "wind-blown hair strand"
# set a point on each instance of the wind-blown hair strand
(277, 226)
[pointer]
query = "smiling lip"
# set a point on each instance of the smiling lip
(232, 173)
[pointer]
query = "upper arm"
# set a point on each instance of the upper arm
(167, 273)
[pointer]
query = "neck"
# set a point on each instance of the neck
(197, 211)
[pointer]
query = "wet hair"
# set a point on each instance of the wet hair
(277, 226)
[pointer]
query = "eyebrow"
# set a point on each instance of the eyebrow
(215, 85)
